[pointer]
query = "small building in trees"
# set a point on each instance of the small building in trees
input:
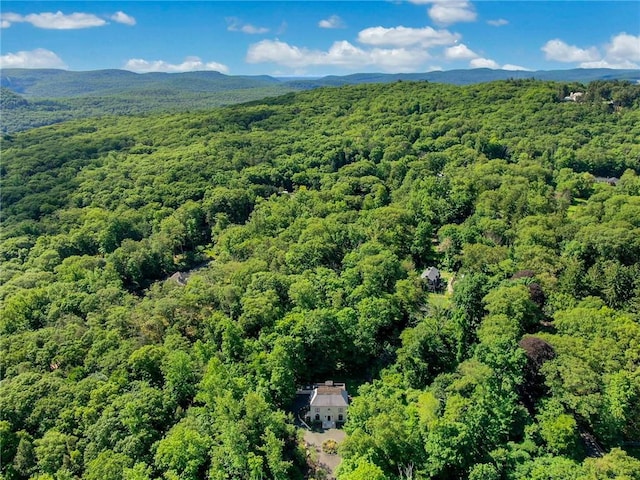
(613, 181)
(180, 278)
(431, 276)
(329, 402)
(574, 97)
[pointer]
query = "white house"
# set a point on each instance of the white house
(574, 97)
(328, 404)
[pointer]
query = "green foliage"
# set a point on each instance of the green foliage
(557, 429)
(180, 377)
(183, 452)
(108, 465)
(364, 471)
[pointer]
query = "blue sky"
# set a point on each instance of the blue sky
(318, 37)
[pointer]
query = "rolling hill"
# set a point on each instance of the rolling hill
(50, 83)
(469, 77)
(38, 97)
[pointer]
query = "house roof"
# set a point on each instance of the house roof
(329, 396)
(431, 273)
(180, 278)
(610, 180)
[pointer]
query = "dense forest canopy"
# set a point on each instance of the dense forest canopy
(304, 223)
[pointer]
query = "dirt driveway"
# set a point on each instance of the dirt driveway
(326, 463)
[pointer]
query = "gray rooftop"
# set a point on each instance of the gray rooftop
(431, 273)
(329, 396)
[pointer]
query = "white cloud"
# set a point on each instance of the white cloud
(62, 21)
(624, 48)
(462, 52)
(559, 51)
(341, 54)
(607, 64)
(6, 19)
(459, 52)
(334, 21)
(282, 28)
(454, 12)
(622, 52)
(38, 58)
(277, 52)
(252, 30)
(509, 66)
(234, 24)
(500, 22)
(446, 12)
(123, 18)
(483, 63)
(190, 64)
(405, 37)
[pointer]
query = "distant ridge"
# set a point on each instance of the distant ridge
(49, 83)
(32, 98)
(479, 75)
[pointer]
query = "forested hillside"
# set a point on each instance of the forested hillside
(48, 96)
(20, 113)
(37, 97)
(304, 223)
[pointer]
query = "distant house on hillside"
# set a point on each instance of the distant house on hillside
(431, 276)
(328, 404)
(574, 97)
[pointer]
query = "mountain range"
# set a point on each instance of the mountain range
(37, 97)
(51, 83)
